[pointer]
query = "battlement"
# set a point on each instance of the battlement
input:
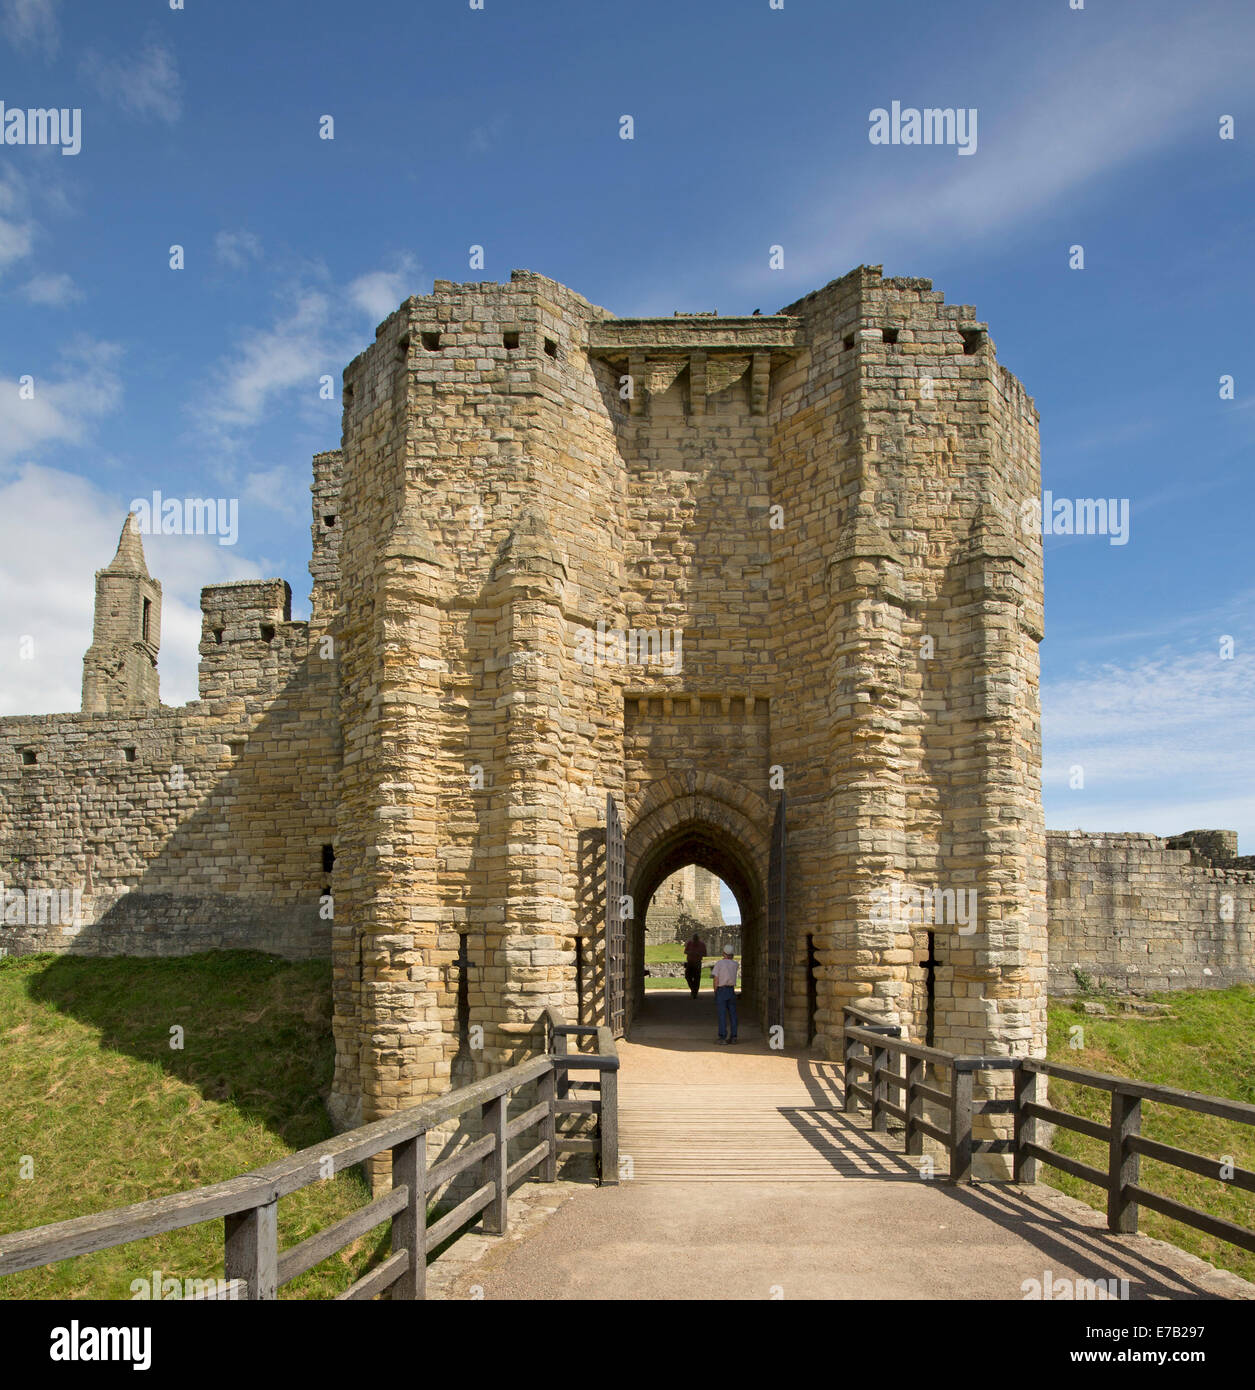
(249, 644)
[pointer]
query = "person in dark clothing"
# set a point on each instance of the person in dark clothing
(694, 950)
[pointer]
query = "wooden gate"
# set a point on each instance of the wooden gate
(776, 932)
(616, 927)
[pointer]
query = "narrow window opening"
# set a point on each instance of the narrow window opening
(551, 347)
(218, 636)
(347, 396)
(972, 340)
(848, 341)
(328, 858)
(463, 967)
(511, 340)
(579, 979)
(267, 633)
(129, 754)
(890, 335)
(328, 521)
(930, 964)
(403, 347)
(431, 341)
(236, 746)
(146, 618)
(29, 757)
(812, 989)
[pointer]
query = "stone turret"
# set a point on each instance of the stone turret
(120, 667)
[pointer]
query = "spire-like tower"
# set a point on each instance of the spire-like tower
(120, 667)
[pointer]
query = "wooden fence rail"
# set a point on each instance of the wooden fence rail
(873, 1048)
(255, 1268)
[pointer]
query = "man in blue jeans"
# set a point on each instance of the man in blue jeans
(724, 977)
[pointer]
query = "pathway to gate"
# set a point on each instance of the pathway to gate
(743, 1180)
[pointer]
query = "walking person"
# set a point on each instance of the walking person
(694, 952)
(724, 976)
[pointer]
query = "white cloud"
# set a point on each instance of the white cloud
(1163, 742)
(1064, 125)
(281, 489)
(145, 84)
(316, 329)
(236, 249)
(268, 362)
(16, 227)
(86, 386)
(56, 530)
(55, 291)
(31, 25)
(380, 292)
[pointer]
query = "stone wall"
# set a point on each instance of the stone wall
(1139, 914)
(176, 830)
(688, 900)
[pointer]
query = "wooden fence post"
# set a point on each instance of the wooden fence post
(549, 1128)
(251, 1249)
(880, 1090)
(848, 1046)
(409, 1225)
(1025, 1168)
(915, 1071)
(1122, 1164)
(960, 1125)
(493, 1114)
(608, 1128)
(560, 1049)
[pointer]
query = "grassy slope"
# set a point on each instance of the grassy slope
(1207, 1044)
(111, 1114)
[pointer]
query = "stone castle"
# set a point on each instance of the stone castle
(758, 580)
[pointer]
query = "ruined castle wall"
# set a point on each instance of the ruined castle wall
(185, 829)
(1130, 914)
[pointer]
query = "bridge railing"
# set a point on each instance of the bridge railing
(873, 1048)
(254, 1266)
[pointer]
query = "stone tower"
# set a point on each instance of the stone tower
(692, 563)
(120, 667)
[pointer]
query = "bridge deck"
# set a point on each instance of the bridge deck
(745, 1183)
(692, 1109)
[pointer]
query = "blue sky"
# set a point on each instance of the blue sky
(500, 127)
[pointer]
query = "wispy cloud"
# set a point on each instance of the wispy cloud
(379, 292)
(59, 408)
(31, 25)
(1152, 736)
(237, 249)
(1060, 127)
(17, 228)
(144, 84)
(53, 290)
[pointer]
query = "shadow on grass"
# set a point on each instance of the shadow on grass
(256, 1029)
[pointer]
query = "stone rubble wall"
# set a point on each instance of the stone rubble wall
(1133, 914)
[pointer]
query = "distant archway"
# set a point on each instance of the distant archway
(709, 821)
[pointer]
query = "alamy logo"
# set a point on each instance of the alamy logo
(78, 1343)
(904, 903)
(934, 125)
(169, 1286)
(40, 125)
(633, 646)
(1082, 516)
(188, 516)
(41, 907)
(1049, 1288)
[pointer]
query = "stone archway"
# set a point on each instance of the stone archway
(710, 821)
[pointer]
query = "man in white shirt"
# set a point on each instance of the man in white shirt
(724, 976)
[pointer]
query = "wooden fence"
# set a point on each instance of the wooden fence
(255, 1268)
(874, 1049)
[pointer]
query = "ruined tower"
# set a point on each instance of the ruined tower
(120, 667)
(699, 564)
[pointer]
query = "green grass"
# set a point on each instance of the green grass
(110, 1114)
(1207, 1044)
